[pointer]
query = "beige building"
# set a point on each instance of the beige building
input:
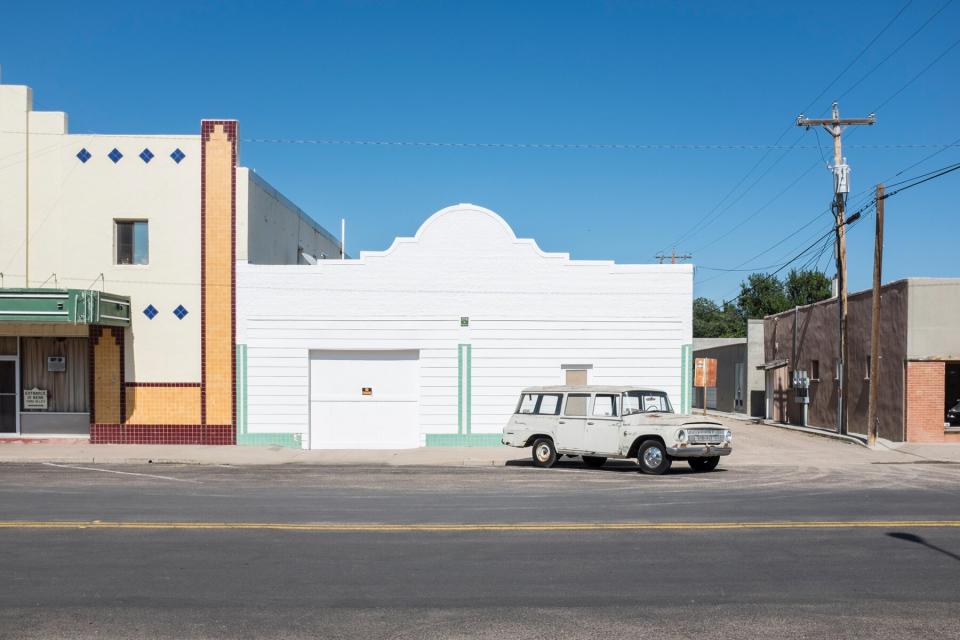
(117, 276)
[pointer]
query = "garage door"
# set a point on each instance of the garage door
(364, 399)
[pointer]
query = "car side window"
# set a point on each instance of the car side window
(549, 405)
(605, 406)
(528, 403)
(576, 404)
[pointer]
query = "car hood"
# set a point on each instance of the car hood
(668, 420)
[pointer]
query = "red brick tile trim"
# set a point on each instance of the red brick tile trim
(162, 434)
(161, 384)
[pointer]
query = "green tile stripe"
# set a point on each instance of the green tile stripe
(291, 440)
(463, 440)
(459, 389)
(469, 374)
(464, 388)
(686, 380)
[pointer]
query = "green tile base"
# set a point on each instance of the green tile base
(463, 440)
(291, 440)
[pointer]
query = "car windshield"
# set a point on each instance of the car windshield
(646, 402)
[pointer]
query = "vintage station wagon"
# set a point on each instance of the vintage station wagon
(601, 422)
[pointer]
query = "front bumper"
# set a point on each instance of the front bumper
(700, 451)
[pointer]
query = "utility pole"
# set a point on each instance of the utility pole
(673, 257)
(873, 425)
(841, 187)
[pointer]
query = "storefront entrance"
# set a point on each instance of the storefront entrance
(9, 395)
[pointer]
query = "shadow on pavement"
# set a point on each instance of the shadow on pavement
(611, 466)
(910, 537)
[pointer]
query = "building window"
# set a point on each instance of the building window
(132, 242)
(815, 371)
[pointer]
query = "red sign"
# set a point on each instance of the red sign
(705, 372)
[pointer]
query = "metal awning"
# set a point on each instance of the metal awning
(64, 306)
(773, 364)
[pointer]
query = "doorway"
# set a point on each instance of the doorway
(9, 395)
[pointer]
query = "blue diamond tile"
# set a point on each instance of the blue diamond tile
(180, 312)
(146, 155)
(150, 311)
(115, 155)
(84, 155)
(178, 155)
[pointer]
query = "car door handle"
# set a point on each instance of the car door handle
(562, 421)
(589, 422)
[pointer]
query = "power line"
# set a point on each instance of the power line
(894, 52)
(697, 226)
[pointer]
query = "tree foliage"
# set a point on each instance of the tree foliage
(760, 295)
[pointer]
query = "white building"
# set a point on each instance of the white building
(430, 341)
(140, 230)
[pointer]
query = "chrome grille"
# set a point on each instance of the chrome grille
(705, 436)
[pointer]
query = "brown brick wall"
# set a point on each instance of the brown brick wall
(106, 374)
(925, 401)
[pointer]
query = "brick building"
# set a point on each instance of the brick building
(919, 361)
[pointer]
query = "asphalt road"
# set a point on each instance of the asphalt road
(314, 552)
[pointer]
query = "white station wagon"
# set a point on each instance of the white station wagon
(600, 422)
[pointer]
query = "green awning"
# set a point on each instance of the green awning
(64, 306)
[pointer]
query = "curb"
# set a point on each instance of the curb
(857, 440)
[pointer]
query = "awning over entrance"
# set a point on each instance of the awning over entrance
(64, 306)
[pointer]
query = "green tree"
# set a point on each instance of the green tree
(710, 320)
(806, 287)
(762, 295)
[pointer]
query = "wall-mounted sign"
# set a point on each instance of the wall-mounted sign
(367, 391)
(464, 321)
(34, 398)
(56, 363)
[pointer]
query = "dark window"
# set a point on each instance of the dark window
(814, 369)
(132, 241)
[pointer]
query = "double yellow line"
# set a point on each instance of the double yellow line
(341, 527)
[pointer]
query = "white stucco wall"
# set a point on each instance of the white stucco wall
(72, 208)
(271, 229)
(530, 312)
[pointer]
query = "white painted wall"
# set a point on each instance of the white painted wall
(530, 312)
(272, 230)
(72, 208)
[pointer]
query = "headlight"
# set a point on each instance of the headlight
(682, 436)
(728, 435)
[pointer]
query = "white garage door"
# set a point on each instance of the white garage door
(364, 399)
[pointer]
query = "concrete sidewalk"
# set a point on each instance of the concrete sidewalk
(253, 455)
(753, 444)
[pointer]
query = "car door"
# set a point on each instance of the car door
(572, 422)
(603, 424)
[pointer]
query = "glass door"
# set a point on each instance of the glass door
(9, 395)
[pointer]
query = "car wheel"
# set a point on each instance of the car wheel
(594, 462)
(544, 453)
(653, 458)
(704, 464)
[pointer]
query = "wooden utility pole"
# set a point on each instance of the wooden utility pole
(841, 187)
(673, 257)
(873, 424)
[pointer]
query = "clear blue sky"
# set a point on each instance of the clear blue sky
(545, 72)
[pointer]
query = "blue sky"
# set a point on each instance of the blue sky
(535, 72)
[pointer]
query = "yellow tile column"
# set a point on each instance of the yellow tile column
(218, 211)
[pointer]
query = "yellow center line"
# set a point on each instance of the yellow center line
(455, 527)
